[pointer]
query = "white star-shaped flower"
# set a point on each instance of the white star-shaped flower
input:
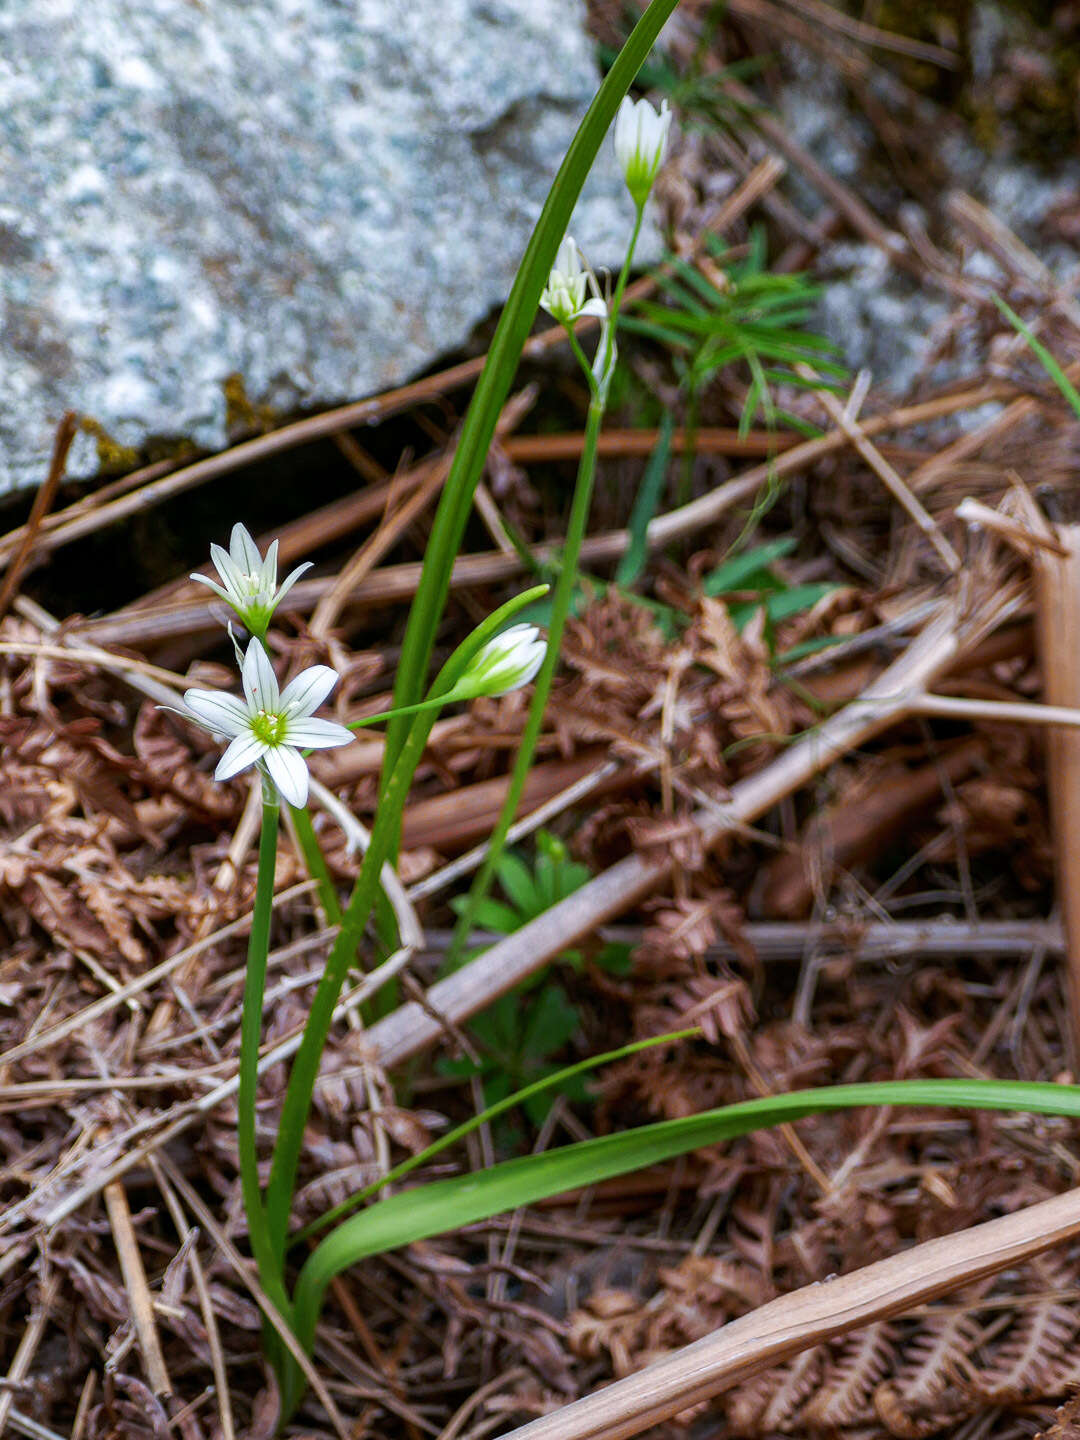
(268, 727)
(248, 581)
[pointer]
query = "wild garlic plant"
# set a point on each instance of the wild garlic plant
(271, 728)
(573, 293)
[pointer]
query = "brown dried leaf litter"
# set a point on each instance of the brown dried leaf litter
(116, 853)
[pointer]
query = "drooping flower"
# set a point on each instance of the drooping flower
(248, 580)
(640, 139)
(571, 291)
(505, 663)
(269, 727)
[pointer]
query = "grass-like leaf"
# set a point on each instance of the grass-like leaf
(1046, 360)
(446, 1205)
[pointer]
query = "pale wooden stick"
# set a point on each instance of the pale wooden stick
(138, 1289)
(90, 655)
(788, 1325)
(974, 512)
(1057, 591)
(892, 480)
(953, 707)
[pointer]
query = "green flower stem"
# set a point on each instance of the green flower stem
(581, 358)
(560, 608)
(620, 284)
(494, 383)
(317, 1027)
(270, 1269)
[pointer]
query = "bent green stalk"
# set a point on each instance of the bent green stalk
(561, 598)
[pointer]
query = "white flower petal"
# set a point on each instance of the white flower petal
(568, 259)
(640, 138)
(244, 551)
(242, 752)
(205, 580)
(290, 580)
(260, 682)
(223, 714)
(316, 734)
(289, 774)
(229, 573)
(625, 132)
(306, 693)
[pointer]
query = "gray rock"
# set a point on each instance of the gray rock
(875, 312)
(319, 196)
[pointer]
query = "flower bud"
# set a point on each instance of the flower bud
(505, 663)
(640, 139)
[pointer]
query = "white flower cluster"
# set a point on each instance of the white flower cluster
(505, 663)
(269, 727)
(572, 291)
(248, 581)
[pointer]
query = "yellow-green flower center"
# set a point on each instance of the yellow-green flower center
(270, 729)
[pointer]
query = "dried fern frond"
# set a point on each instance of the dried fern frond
(1066, 1424)
(772, 1403)
(921, 1398)
(843, 1399)
(1024, 1365)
